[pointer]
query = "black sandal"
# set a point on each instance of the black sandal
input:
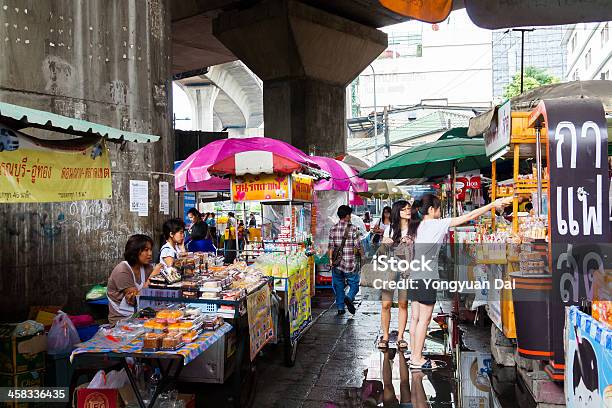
(427, 365)
(383, 344)
(402, 345)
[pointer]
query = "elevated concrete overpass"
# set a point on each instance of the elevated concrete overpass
(307, 51)
(228, 96)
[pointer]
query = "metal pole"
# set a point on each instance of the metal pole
(522, 58)
(493, 190)
(375, 117)
(539, 169)
(454, 189)
(523, 30)
(387, 144)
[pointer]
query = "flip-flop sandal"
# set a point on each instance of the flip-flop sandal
(427, 365)
(383, 344)
(402, 345)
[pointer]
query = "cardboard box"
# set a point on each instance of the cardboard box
(28, 379)
(97, 398)
(21, 354)
(188, 399)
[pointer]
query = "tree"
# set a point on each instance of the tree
(533, 78)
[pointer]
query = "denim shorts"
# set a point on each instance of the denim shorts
(421, 293)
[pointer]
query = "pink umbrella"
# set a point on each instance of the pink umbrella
(252, 155)
(354, 199)
(213, 184)
(343, 177)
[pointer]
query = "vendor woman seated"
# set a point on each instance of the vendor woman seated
(129, 277)
(174, 234)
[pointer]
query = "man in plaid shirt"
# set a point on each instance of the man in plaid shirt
(347, 269)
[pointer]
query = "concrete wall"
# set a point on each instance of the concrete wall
(106, 61)
(307, 113)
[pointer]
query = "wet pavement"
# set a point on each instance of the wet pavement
(338, 365)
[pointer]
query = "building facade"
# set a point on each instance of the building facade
(589, 51)
(543, 50)
(443, 64)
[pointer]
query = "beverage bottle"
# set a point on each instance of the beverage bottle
(154, 382)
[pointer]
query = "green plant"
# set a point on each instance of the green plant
(533, 78)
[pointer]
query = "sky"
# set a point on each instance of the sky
(181, 107)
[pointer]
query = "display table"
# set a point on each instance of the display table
(97, 349)
(243, 367)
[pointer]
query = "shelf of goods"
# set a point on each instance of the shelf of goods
(525, 240)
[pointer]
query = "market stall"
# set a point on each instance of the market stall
(280, 177)
(285, 243)
(202, 312)
(137, 339)
(551, 248)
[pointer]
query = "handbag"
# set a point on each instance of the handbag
(376, 237)
(404, 251)
(369, 275)
(337, 253)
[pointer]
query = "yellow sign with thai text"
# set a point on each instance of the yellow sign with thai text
(34, 170)
(301, 188)
(298, 293)
(261, 327)
(262, 187)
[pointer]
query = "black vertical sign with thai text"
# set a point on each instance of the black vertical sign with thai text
(578, 204)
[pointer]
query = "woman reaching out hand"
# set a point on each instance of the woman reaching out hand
(429, 231)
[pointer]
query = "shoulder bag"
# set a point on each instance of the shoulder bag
(337, 253)
(369, 275)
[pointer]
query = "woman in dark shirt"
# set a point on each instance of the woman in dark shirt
(198, 229)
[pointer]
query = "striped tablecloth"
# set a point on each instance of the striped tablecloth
(189, 351)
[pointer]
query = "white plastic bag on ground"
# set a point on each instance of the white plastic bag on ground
(62, 335)
(112, 381)
(99, 380)
(116, 379)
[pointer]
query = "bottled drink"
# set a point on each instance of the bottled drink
(154, 382)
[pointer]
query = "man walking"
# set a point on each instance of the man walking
(343, 248)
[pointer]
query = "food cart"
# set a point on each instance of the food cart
(286, 236)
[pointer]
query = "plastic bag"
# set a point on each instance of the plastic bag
(111, 381)
(116, 379)
(62, 335)
(28, 328)
(95, 293)
(99, 380)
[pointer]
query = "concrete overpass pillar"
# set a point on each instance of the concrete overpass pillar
(306, 57)
(202, 99)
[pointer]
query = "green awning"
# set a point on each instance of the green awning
(21, 117)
